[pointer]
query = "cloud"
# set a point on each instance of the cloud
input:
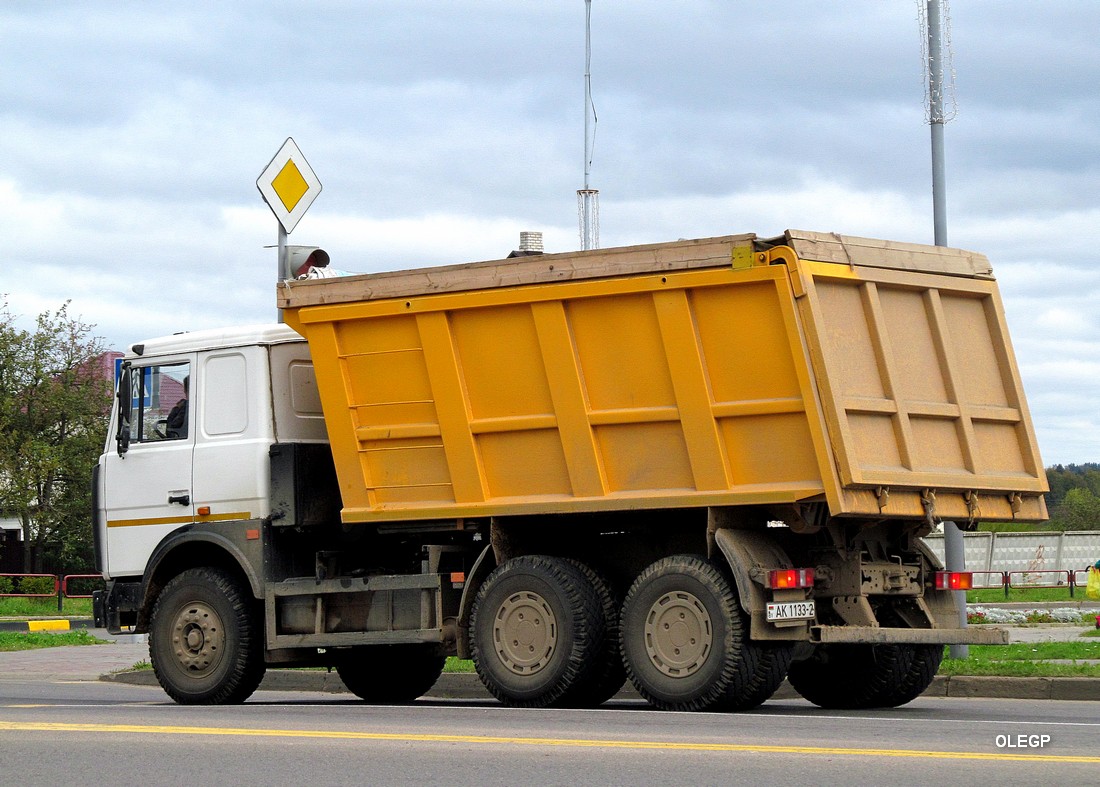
(131, 136)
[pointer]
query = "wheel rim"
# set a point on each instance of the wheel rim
(525, 633)
(198, 638)
(678, 634)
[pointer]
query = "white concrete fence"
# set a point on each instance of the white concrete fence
(1028, 558)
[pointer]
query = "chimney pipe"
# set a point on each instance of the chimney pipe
(530, 243)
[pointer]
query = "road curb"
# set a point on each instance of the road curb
(45, 624)
(1023, 688)
(467, 686)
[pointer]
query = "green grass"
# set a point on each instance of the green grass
(1031, 651)
(995, 595)
(13, 640)
(44, 607)
(1027, 660)
(1018, 669)
(455, 664)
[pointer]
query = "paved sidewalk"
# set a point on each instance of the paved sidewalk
(1046, 632)
(74, 662)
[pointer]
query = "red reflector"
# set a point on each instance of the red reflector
(252, 535)
(458, 576)
(954, 580)
(785, 578)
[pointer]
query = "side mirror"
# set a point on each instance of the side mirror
(125, 407)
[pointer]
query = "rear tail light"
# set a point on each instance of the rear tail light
(785, 578)
(954, 580)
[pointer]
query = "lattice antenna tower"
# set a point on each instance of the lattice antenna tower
(588, 198)
(938, 78)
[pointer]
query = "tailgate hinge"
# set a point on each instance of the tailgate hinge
(784, 255)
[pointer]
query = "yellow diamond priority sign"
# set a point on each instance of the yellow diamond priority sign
(289, 185)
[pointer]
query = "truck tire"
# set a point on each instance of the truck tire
(205, 639)
(608, 673)
(772, 662)
(390, 674)
(923, 665)
(865, 676)
(684, 640)
(535, 631)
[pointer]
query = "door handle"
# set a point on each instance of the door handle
(183, 500)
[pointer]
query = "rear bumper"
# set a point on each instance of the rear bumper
(872, 635)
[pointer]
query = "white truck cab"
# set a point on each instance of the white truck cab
(189, 443)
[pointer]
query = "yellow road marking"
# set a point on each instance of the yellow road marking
(578, 742)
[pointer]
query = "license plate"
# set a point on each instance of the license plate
(791, 610)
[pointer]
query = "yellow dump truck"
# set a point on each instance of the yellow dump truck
(703, 466)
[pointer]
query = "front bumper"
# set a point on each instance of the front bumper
(116, 608)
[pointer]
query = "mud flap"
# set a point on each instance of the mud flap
(750, 554)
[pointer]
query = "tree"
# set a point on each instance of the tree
(1079, 510)
(1073, 501)
(54, 404)
(1063, 478)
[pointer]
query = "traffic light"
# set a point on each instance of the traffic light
(299, 259)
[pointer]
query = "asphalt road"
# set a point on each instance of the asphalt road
(57, 721)
(52, 730)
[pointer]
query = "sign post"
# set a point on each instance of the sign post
(288, 186)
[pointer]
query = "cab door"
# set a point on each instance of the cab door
(231, 481)
(147, 478)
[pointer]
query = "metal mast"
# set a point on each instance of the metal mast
(588, 199)
(953, 542)
(937, 120)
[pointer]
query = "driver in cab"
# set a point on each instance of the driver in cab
(176, 425)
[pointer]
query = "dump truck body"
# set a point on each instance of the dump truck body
(701, 466)
(877, 377)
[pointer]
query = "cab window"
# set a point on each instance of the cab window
(159, 401)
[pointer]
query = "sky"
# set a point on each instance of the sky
(132, 135)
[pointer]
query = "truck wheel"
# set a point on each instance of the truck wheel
(772, 662)
(924, 663)
(205, 642)
(390, 673)
(532, 634)
(683, 637)
(608, 673)
(865, 676)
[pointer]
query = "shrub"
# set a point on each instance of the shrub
(1036, 616)
(39, 586)
(6, 586)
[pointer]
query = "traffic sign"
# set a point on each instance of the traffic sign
(289, 185)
